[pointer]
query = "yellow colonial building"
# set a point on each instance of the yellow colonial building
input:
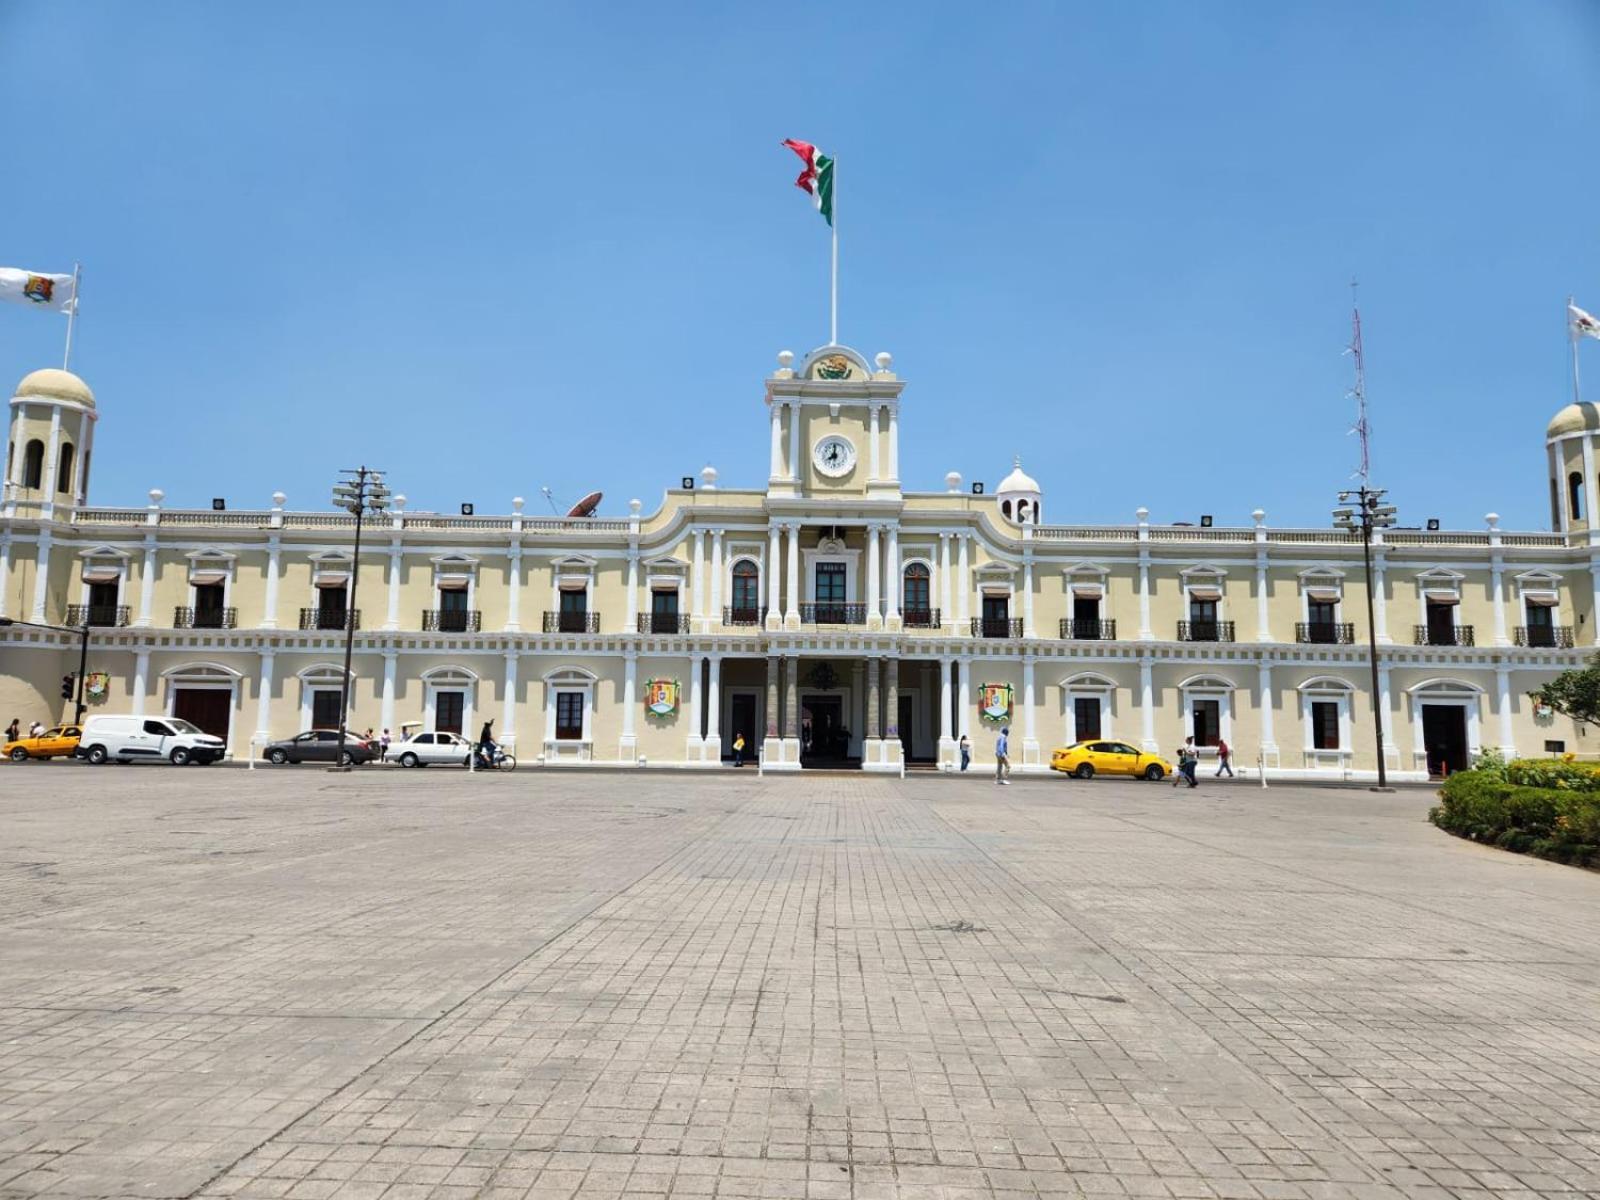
(831, 618)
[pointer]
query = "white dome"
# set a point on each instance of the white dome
(54, 384)
(1017, 481)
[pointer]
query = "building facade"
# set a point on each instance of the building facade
(831, 617)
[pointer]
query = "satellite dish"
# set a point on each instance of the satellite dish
(586, 506)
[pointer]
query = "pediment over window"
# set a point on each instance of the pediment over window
(104, 552)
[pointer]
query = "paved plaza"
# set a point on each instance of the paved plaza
(419, 983)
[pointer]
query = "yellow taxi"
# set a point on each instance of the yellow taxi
(1085, 760)
(52, 743)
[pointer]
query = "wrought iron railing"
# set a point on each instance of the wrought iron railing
(205, 618)
(452, 620)
(1325, 633)
(1205, 631)
(833, 614)
(1545, 637)
(997, 627)
(1088, 631)
(97, 614)
(572, 622)
(744, 616)
(920, 618)
(330, 618)
(654, 622)
(1454, 635)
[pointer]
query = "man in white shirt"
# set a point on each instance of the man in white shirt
(1002, 758)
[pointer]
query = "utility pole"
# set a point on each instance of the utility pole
(361, 491)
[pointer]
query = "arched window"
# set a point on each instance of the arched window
(33, 464)
(1005, 507)
(1022, 512)
(746, 592)
(1575, 495)
(64, 470)
(917, 603)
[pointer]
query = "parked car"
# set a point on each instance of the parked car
(52, 743)
(147, 739)
(318, 745)
(422, 749)
(1088, 759)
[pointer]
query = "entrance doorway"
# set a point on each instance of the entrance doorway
(208, 708)
(1444, 738)
(449, 711)
(742, 720)
(824, 740)
(908, 716)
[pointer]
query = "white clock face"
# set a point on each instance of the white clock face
(834, 455)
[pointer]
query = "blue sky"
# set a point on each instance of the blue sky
(491, 247)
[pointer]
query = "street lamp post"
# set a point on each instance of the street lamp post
(361, 491)
(1367, 512)
(83, 654)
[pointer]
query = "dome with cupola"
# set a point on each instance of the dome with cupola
(51, 383)
(1019, 496)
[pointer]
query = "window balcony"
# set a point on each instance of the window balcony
(1088, 631)
(997, 627)
(920, 618)
(330, 618)
(1454, 635)
(654, 622)
(572, 622)
(452, 620)
(205, 618)
(1325, 633)
(1205, 631)
(106, 615)
(1545, 637)
(833, 614)
(744, 616)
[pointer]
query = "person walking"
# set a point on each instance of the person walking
(966, 751)
(1188, 760)
(35, 729)
(383, 747)
(1002, 757)
(13, 729)
(1224, 758)
(738, 749)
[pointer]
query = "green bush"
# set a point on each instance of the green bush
(1554, 773)
(1560, 820)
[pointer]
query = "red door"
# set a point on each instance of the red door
(209, 708)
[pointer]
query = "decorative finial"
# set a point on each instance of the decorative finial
(156, 496)
(884, 359)
(708, 476)
(516, 504)
(277, 499)
(1493, 520)
(952, 481)
(400, 502)
(785, 358)
(1259, 515)
(634, 506)
(1016, 461)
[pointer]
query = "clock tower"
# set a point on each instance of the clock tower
(835, 426)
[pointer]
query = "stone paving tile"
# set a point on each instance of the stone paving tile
(403, 985)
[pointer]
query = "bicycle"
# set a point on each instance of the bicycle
(498, 761)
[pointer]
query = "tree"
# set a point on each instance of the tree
(1574, 694)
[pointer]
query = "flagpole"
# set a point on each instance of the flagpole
(72, 314)
(1572, 337)
(833, 326)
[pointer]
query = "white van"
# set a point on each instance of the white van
(148, 739)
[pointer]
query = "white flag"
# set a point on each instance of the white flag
(1582, 323)
(52, 292)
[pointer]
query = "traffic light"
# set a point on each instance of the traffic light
(67, 682)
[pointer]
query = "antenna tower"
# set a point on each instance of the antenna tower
(1359, 392)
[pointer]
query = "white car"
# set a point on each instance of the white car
(421, 749)
(150, 739)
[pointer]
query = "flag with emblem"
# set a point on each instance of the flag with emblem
(1583, 325)
(38, 289)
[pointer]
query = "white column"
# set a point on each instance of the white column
(697, 608)
(894, 443)
(964, 585)
(78, 453)
(41, 576)
(873, 471)
(628, 751)
(269, 613)
(5, 572)
(946, 742)
(396, 565)
(1390, 743)
(1497, 588)
(891, 579)
(147, 582)
(1269, 741)
(1502, 710)
(514, 583)
(792, 612)
(771, 593)
(1147, 708)
(964, 700)
(1030, 728)
(714, 709)
(391, 662)
(508, 701)
(1263, 621)
(874, 617)
(776, 463)
(691, 707)
(715, 614)
(141, 681)
(858, 708)
(52, 464)
(633, 582)
(948, 619)
(1145, 632)
(264, 698)
(1380, 607)
(794, 440)
(1027, 592)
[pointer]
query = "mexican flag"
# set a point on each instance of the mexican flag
(817, 178)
